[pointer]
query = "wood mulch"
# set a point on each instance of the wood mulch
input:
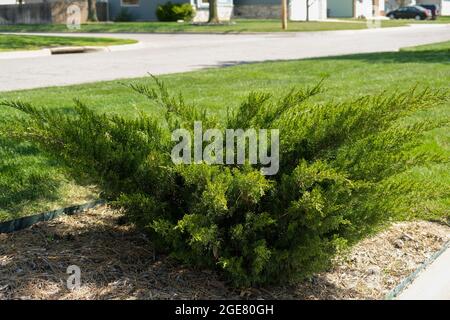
(117, 262)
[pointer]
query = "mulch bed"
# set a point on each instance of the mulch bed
(117, 262)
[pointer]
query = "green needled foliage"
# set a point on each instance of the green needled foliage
(175, 11)
(341, 174)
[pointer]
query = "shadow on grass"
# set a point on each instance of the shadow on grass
(26, 176)
(32, 181)
(422, 56)
(419, 56)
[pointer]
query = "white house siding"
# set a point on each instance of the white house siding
(7, 2)
(381, 6)
(317, 10)
(445, 9)
(444, 5)
(224, 10)
(395, 4)
(363, 8)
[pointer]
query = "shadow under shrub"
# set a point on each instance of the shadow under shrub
(337, 161)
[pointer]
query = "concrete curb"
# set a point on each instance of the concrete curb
(399, 289)
(433, 282)
(68, 50)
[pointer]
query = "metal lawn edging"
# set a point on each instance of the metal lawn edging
(25, 222)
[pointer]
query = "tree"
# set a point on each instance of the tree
(92, 11)
(213, 12)
(309, 3)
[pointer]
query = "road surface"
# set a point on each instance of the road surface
(172, 53)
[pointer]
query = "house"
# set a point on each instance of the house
(42, 12)
(271, 9)
(444, 5)
(395, 4)
(21, 2)
(301, 10)
(144, 10)
(355, 8)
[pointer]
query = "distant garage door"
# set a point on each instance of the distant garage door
(340, 8)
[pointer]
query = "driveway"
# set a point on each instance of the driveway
(171, 53)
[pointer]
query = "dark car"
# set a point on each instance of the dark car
(411, 12)
(433, 8)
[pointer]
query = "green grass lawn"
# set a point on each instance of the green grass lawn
(26, 42)
(237, 26)
(31, 182)
(444, 46)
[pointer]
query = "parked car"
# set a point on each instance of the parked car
(433, 8)
(411, 12)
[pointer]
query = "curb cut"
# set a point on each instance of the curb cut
(394, 293)
(87, 49)
(68, 50)
(25, 222)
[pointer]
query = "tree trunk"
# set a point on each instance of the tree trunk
(92, 11)
(213, 12)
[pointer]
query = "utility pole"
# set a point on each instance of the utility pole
(284, 14)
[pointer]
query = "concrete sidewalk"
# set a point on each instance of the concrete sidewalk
(433, 283)
(173, 53)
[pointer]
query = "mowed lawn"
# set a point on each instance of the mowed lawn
(236, 26)
(31, 182)
(27, 42)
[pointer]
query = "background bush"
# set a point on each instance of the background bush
(340, 175)
(175, 11)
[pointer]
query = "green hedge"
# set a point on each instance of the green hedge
(175, 11)
(338, 162)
